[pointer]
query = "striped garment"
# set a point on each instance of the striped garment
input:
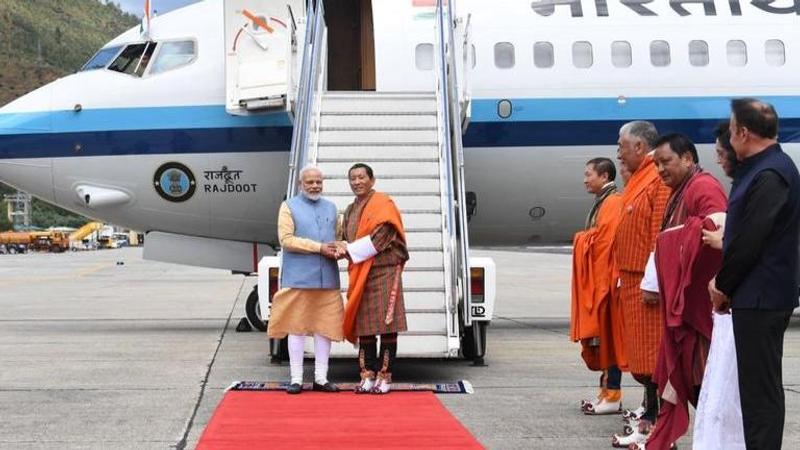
(392, 254)
(643, 325)
(644, 202)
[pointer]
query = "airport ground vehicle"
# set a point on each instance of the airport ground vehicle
(22, 241)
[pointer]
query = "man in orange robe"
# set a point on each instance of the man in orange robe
(644, 202)
(595, 305)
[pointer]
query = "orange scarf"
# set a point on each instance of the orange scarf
(380, 209)
(640, 180)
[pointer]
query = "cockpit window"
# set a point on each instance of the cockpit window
(101, 59)
(173, 55)
(134, 59)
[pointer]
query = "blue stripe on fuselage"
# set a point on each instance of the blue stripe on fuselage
(596, 121)
(593, 132)
(612, 109)
(126, 119)
(209, 129)
(146, 142)
(141, 131)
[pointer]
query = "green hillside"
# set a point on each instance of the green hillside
(41, 40)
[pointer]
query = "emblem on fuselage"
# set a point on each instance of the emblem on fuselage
(174, 182)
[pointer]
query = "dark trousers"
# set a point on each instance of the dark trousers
(759, 351)
(614, 378)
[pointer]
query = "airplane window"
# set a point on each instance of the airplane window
(504, 109)
(543, 55)
(621, 54)
(582, 54)
(775, 52)
(737, 53)
(423, 56)
(659, 53)
(173, 55)
(101, 58)
(504, 55)
(134, 59)
(698, 53)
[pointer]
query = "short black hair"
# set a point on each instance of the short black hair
(680, 144)
(757, 116)
(362, 166)
(603, 166)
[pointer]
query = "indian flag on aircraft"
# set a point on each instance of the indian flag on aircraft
(144, 27)
(425, 9)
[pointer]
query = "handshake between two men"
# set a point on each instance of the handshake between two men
(334, 250)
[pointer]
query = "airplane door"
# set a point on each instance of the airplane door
(260, 54)
(351, 45)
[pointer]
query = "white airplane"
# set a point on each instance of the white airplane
(550, 83)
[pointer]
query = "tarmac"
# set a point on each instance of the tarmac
(104, 350)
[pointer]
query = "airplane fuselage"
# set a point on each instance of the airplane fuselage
(550, 87)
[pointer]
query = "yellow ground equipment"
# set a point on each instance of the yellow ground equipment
(84, 231)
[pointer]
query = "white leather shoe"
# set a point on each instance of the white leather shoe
(366, 384)
(603, 407)
(382, 384)
(639, 436)
(382, 387)
(629, 414)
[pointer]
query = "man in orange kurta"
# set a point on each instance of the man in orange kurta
(595, 305)
(644, 201)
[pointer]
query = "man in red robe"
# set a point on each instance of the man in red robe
(683, 268)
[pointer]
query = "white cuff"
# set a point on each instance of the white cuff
(361, 249)
(650, 280)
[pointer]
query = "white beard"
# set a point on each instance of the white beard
(312, 197)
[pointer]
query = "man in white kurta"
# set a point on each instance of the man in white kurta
(310, 301)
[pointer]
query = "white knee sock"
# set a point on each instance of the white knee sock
(296, 345)
(322, 350)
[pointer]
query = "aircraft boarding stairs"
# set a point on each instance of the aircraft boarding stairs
(412, 140)
(396, 134)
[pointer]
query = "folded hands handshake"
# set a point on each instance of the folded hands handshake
(334, 250)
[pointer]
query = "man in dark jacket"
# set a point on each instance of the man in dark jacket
(758, 277)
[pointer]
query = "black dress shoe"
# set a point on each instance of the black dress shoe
(327, 387)
(294, 388)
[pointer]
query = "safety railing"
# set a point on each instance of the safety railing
(309, 93)
(454, 205)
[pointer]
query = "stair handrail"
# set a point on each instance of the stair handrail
(466, 67)
(448, 99)
(311, 71)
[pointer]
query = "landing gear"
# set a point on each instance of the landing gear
(473, 342)
(253, 311)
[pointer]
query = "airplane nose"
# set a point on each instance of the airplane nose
(34, 176)
(22, 130)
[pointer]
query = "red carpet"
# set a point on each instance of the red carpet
(256, 420)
